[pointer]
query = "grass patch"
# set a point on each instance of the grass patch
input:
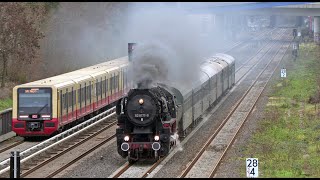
(287, 143)
(5, 103)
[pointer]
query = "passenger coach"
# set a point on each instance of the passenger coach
(46, 106)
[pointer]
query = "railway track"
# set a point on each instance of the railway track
(55, 156)
(69, 139)
(122, 170)
(14, 144)
(229, 48)
(46, 158)
(215, 148)
(144, 170)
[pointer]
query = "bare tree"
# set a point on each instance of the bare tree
(19, 37)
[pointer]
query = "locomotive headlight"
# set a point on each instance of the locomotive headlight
(156, 138)
(140, 101)
(126, 138)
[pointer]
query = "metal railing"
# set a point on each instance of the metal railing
(5, 121)
(49, 143)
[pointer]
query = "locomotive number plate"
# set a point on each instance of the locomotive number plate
(141, 115)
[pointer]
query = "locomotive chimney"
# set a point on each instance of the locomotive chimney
(130, 49)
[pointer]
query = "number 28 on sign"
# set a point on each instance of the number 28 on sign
(252, 167)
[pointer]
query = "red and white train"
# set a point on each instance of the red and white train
(47, 106)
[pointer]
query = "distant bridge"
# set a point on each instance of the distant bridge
(255, 8)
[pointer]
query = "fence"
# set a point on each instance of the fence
(5, 121)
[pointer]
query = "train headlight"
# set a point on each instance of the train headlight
(126, 138)
(140, 101)
(156, 138)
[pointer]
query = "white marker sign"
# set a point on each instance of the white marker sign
(252, 167)
(283, 73)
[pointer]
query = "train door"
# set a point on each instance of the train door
(100, 91)
(97, 94)
(111, 91)
(120, 83)
(103, 92)
(60, 109)
(74, 107)
(107, 89)
(72, 103)
(81, 99)
(64, 106)
(69, 104)
(117, 87)
(86, 92)
(79, 102)
(125, 85)
(91, 96)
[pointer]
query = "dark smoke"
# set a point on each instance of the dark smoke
(151, 64)
(168, 48)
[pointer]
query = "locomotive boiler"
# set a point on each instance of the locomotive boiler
(151, 119)
(147, 120)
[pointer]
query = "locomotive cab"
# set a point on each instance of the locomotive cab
(34, 110)
(146, 124)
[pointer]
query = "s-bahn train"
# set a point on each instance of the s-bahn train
(50, 105)
(151, 120)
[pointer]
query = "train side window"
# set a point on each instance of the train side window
(118, 82)
(74, 97)
(111, 84)
(104, 86)
(110, 87)
(188, 103)
(85, 94)
(61, 103)
(90, 92)
(79, 97)
(107, 85)
(83, 91)
(124, 79)
(114, 83)
(66, 100)
(101, 86)
(70, 98)
(97, 90)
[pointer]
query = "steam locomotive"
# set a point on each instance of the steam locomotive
(150, 120)
(147, 123)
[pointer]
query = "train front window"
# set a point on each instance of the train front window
(34, 101)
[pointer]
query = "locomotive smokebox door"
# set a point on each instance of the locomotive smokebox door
(130, 50)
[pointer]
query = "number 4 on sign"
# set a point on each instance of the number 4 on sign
(252, 167)
(283, 72)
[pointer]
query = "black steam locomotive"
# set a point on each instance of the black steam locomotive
(147, 123)
(151, 117)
